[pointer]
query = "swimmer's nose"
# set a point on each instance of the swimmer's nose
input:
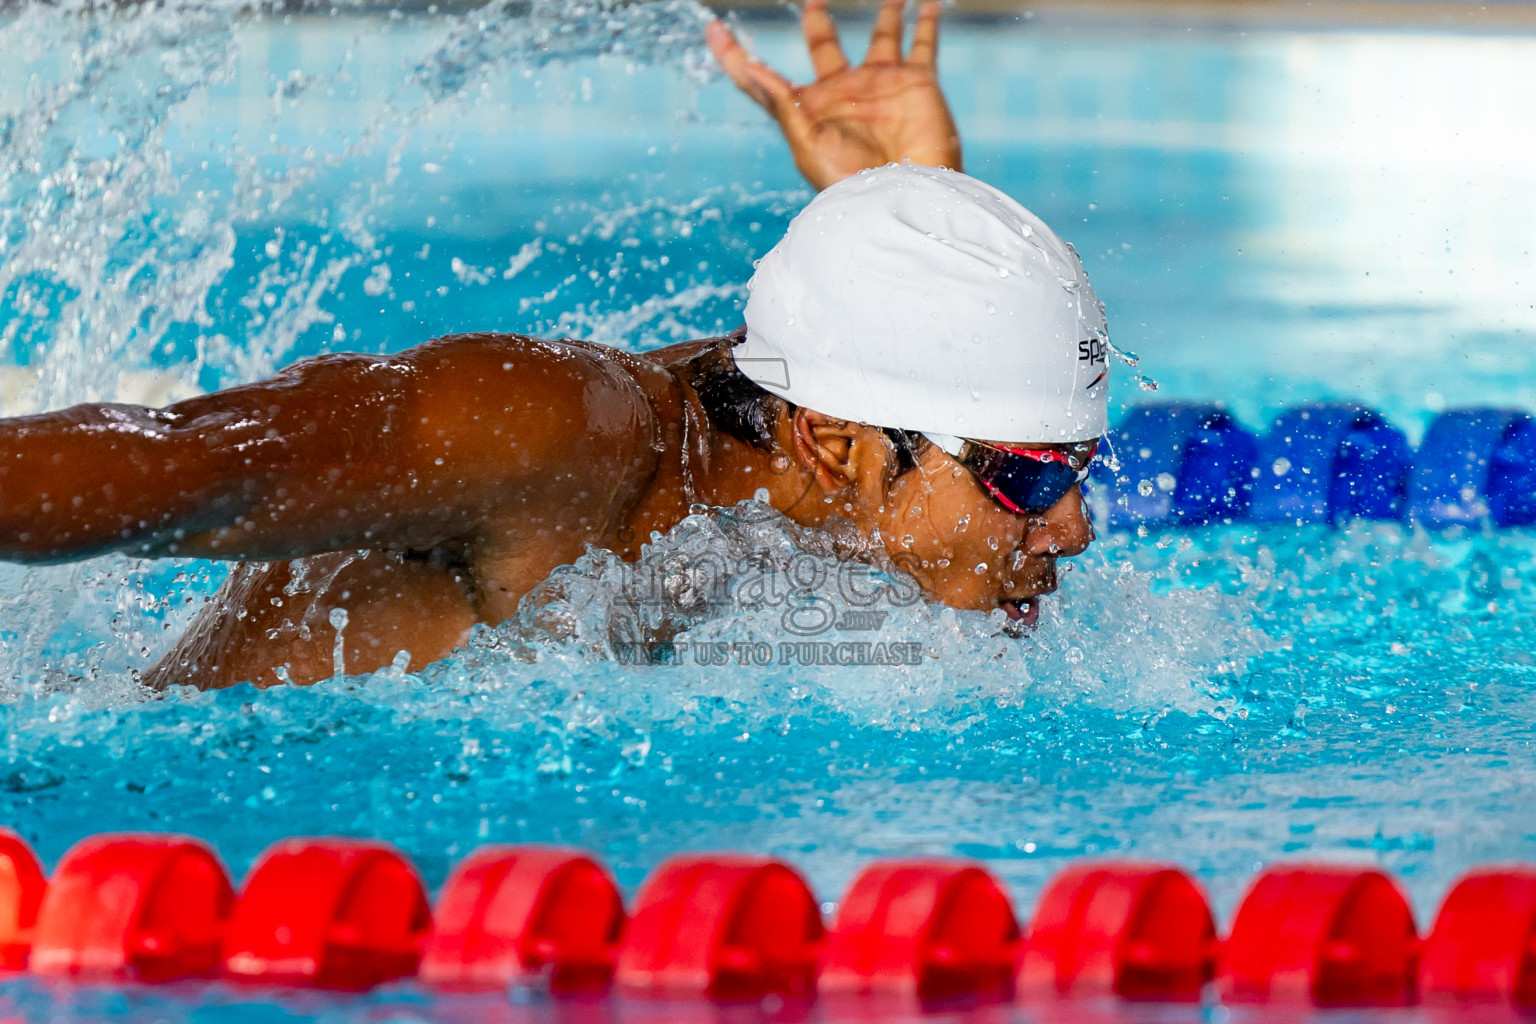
(1064, 529)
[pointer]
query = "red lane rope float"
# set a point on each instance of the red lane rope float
(1140, 931)
(1330, 935)
(335, 913)
(510, 912)
(350, 913)
(931, 929)
(723, 925)
(22, 884)
(1483, 946)
(139, 907)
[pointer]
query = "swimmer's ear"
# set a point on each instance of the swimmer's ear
(825, 446)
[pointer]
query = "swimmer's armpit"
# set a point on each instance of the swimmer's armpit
(889, 109)
(408, 452)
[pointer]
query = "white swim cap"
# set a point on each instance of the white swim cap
(923, 299)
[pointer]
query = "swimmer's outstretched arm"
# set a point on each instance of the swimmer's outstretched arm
(408, 452)
(887, 110)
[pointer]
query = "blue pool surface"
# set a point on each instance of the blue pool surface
(190, 199)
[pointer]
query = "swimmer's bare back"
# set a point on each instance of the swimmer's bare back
(417, 494)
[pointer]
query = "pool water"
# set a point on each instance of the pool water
(189, 199)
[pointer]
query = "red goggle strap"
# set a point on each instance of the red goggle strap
(1041, 454)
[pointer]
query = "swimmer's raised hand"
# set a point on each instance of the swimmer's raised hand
(888, 109)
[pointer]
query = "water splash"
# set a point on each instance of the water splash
(141, 260)
(1126, 356)
(547, 31)
(112, 242)
(744, 588)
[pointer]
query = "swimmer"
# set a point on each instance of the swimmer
(922, 358)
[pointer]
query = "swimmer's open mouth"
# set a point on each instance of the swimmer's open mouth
(1023, 612)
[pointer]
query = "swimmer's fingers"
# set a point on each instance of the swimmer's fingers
(885, 43)
(765, 85)
(821, 39)
(771, 90)
(925, 37)
(785, 107)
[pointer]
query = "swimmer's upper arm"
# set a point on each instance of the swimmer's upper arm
(407, 452)
(219, 475)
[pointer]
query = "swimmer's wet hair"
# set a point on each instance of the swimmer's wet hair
(738, 405)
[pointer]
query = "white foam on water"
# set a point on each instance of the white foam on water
(736, 607)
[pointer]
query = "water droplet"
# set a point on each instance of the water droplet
(1144, 488)
(991, 309)
(981, 569)
(1282, 466)
(1002, 271)
(1145, 383)
(1125, 355)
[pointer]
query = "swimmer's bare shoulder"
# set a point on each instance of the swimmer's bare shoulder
(406, 451)
(467, 468)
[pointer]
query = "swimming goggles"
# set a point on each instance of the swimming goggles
(1020, 478)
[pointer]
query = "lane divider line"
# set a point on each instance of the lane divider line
(1190, 463)
(349, 914)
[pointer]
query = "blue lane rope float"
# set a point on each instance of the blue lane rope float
(1181, 463)
(1187, 464)
(1484, 467)
(1323, 463)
